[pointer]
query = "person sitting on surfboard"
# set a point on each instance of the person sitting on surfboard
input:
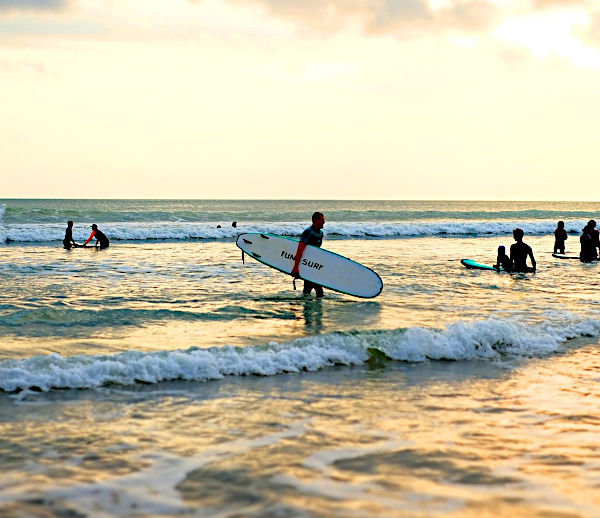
(68, 241)
(100, 237)
(313, 235)
(519, 252)
(503, 261)
(560, 236)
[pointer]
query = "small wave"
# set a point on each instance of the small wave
(189, 231)
(484, 340)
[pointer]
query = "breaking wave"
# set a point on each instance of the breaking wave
(128, 231)
(482, 340)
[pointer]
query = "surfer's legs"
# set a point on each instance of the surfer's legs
(308, 287)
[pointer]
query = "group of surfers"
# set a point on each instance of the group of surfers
(102, 241)
(519, 251)
(313, 235)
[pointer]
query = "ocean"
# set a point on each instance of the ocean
(164, 377)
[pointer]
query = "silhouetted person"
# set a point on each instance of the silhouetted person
(588, 248)
(560, 236)
(234, 224)
(101, 239)
(503, 261)
(519, 252)
(595, 234)
(313, 235)
(68, 241)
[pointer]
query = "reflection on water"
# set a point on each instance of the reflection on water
(512, 438)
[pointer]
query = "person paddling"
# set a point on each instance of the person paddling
(100, 238)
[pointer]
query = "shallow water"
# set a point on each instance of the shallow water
(161, 378)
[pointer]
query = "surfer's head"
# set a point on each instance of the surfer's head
(501, 250)
(591, 224)
(518, 234)
(94, 227)
(561, 224)
(69, 224)
(318, 220)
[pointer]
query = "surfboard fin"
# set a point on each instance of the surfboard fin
(243, 257)
(294, 283)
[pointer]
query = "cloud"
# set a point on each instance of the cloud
(33, 5)
(381, 16)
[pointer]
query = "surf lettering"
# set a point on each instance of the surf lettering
(288, 255)
(312, 264)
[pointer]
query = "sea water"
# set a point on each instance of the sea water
(164, 377)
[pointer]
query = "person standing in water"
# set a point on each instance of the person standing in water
(68, 241)
(595, 236)
(100, 238)
(560, 236)
(519, 252)
(588, 247)
(313, 235)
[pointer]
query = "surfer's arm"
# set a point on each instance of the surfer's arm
(299, 252)
(89, 238)
(533, 264)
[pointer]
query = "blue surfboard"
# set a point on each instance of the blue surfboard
(469, 263)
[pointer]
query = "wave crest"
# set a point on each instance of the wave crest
(487, 339)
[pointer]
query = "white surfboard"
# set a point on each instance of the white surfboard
(323, 267)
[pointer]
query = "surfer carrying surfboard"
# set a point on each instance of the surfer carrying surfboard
(313, 235)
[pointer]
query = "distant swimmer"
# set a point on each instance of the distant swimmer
(503, 261)
(68, 241)
(560, 236)
(519, 252)
(234, 224)
(588, 243)
(313, 235)
(101, 239)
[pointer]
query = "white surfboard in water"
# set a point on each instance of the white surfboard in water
(323, 267)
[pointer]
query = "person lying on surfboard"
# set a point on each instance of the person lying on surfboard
(313, 235)
(503, 261)
(100, 237)
(519, 252)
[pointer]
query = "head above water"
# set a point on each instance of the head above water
(69, 223)
(501, 250)
(561, 224)
(318, 220)
(591, 224)
(94, 227)
(518, 234)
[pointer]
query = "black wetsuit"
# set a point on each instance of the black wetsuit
(588, 248)
(102, 239)
(504, 262)
(68, 240)
(518, 253)
(560, 236)
(314, 237)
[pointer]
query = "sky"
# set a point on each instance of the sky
(317, 99)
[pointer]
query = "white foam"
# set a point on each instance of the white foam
(178, 230)
(487, 339)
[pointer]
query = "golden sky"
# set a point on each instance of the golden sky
(323, 99)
